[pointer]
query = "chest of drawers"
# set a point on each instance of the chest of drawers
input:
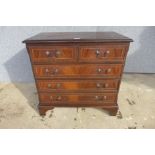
(78, 69)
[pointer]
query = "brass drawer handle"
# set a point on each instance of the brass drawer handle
(99, 85)
(99, 70)
(100, 98)
(58, 85)
(97, 53)
(49, 85)
(57, 54)
(107, 52)
(106, 85)
(109, 70)
(51, 97)
(58, 98)
(46, 70)
(97, 97)
(47, 53)
(104, 97)
(55, 71)
(102, 53)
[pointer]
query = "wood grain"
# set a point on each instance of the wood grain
(78, 69)
(77, 85)
(77, 99)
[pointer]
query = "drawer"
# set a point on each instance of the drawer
(53, 54)
(77, 85)
(78, 71)
(75, 99)
(102, 53)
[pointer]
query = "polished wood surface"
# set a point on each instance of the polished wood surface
(77, 85)
(53, 54)
(102, 53)
(78, 69)
(48, 37)
(77, 99)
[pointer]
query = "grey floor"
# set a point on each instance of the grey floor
(18, 108)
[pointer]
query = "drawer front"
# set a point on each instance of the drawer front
(87, 99)
(103, 53)
(78, 71)
(74, 85)
(53, 54)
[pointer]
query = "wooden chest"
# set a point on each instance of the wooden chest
(78, 69)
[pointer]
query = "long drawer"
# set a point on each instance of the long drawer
(77, 85)
(78, 70)
(77, 98)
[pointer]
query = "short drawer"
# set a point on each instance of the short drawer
(102, 53)
(77, 85)
(52, 54)
(75, 99)
(78, 71)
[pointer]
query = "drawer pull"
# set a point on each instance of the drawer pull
(106, 85)
(58, 98)
(104, 97)
(57, 54)
(100, 98)
(107, 52)
(47, 53)
(97, 97)
(58, 85)
(97, 53)
(98, 85)
(55, 71)
(49, 85)
(99, 70)
(47, 70)
(51, 97)
(109, 70)
(102, 53)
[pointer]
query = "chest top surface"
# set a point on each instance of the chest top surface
(62, 37)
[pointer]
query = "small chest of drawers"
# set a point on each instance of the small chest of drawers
(78, 69)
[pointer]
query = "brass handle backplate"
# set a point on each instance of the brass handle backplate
(57, 54)
(102, 53)
(97, 53)
(100, 85)
(58, 98)
(101, 98)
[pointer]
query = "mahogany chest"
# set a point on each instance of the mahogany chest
(78, 69)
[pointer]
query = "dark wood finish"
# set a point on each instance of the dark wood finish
(43, 109)
(77, 99)
(77, 37)
(78, 69)
(77, 85)
(53, 54)
(102, 53)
